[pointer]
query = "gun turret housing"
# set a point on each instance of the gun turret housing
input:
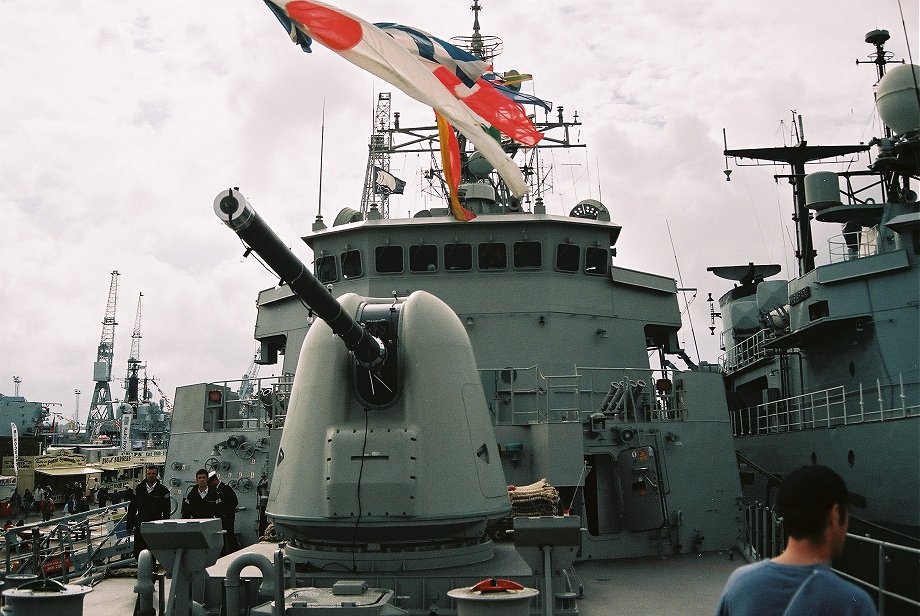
(387, 462)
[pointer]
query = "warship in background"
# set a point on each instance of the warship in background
(824, 368)
(139, 421)
(621, 455)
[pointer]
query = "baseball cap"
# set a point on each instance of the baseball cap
(815, 488)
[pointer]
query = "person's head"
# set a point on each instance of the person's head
(814, 503)
(213, 479)
(201, 478)
(152, 474)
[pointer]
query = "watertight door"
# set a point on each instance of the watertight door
(640, 485)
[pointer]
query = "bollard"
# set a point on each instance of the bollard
(43, 597)
(493, 598)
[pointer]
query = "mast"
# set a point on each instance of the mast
(378, 157)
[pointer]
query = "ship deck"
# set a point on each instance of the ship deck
(681, 584)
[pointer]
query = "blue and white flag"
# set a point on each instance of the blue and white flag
(520, 97)
(385, 183)
(467, 67)
(14, 432)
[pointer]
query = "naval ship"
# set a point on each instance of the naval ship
(500, 377)
(823, 366)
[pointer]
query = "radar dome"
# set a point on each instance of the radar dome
(897, 100)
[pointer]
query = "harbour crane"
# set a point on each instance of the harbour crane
(101, 407)
(134, 359)
(250, 377)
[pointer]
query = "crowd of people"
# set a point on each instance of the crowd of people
(209, 498)
(76, 498)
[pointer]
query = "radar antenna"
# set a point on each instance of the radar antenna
(483, 47)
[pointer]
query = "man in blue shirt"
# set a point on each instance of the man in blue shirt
(813, 501)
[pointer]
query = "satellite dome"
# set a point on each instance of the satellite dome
(897, 101)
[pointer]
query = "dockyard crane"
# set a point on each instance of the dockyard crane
(101, 406)
(249, 378)
(134, 359)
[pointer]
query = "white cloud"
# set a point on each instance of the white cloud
(122, 121)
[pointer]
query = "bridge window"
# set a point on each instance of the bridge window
(351, 264)
(527, 255)
(389, 259)
(423, 258)
(493, 256)
(567, 257)
(595, 261)
(325, 269)
(458, 257)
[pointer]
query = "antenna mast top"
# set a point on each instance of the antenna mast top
(483, 47)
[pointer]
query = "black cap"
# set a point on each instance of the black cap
(815, 488)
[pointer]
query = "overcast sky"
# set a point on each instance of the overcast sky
(121, 122)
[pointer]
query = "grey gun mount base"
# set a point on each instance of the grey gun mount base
(397, 447)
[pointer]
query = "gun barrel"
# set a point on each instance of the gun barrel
(233, 209)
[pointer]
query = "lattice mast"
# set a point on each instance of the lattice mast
(378, 156)
(134, 359)
(100, 408)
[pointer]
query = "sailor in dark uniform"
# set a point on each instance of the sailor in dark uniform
(149, 501)
(200, 501)
(226, 508)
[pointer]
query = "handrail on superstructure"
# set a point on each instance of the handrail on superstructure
(764, 537)
(527, 395)
(828, 408)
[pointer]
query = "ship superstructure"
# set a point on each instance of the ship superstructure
(576, 355)
(825, 367)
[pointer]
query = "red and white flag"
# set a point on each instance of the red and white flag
(368, 47)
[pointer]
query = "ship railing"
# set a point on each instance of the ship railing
(525, 395)
(763, 536)
(829, 408)
(70, 546)
(745, 353)
(851, 246)
(266, 401)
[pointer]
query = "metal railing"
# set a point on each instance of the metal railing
(526, 395)
(763, 536)
(266, 402)
(829, 408)
(70, 546)
(747, 352)
(858, 246)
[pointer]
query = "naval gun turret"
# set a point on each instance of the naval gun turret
(388, 458)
